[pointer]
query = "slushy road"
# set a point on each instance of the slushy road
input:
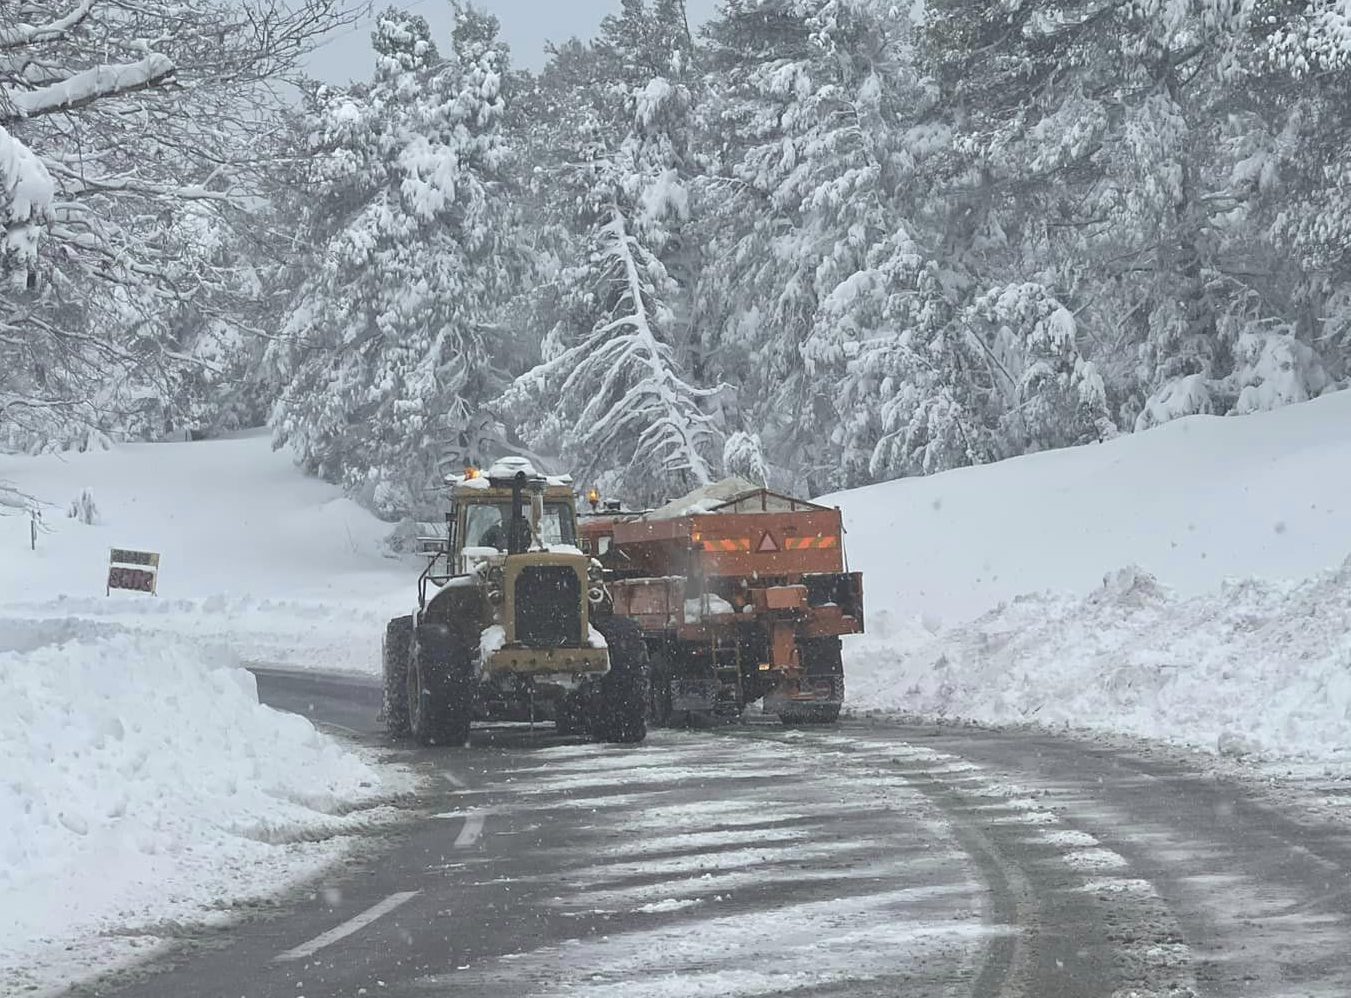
(865, 859)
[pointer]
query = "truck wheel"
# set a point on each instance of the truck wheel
(440, 688)
(621, 708)
(394, 651)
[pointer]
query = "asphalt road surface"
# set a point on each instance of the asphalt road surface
(858, 860)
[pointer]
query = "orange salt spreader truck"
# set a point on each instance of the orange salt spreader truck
(741, 594)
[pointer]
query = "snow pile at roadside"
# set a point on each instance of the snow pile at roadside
(1256, 667)
(143, 783)
(282, 567)
(1193, 502)
(333, 635)
(1170, 649)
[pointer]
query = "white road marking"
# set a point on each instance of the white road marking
(354, 924)
(473, 828)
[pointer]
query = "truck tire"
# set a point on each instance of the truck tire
(621, 707)
(440, 687)
(821, 661)
(394, 651)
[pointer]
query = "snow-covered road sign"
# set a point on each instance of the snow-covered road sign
(134, 570)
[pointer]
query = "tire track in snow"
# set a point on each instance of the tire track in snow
(1032, 879)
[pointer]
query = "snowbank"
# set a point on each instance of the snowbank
(143, 783)
(1194, 502)
(1256, 667)
(1169, 649)
(282, 567)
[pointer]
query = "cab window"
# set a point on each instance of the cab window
(485, 525)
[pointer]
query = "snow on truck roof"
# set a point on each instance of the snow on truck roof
(731, 495)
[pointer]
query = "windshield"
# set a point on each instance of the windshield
(486, 525)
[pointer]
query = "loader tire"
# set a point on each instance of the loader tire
(440, 687)
(621, 706)
(394, 653)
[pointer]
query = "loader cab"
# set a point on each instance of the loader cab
(481, 522)
(485, 522)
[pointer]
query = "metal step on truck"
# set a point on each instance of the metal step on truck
(742, 594)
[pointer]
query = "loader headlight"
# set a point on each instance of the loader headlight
(596, 594)
(495, 596)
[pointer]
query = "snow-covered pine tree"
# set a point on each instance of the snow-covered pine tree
(1098, 139)
(812, 129)
(388, 349)
(612, 396)
(1293, 166)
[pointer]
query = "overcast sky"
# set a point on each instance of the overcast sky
(526, 26)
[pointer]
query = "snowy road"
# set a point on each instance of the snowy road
(865, 860)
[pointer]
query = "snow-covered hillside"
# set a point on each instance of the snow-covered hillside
(281, 568)
(1193, 502)
(1135, 539)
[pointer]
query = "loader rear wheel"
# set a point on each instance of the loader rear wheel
(394, 654)
(621, 706)
(440, 688)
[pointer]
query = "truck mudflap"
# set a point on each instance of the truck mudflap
(808, 700)
(703, 697)
(806, 690)
(690, 694)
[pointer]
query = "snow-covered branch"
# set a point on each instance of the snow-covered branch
(18, 35)
(90, 85)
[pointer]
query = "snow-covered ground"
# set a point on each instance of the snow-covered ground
(141, 783)
(1191, 585)
(282, 568)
